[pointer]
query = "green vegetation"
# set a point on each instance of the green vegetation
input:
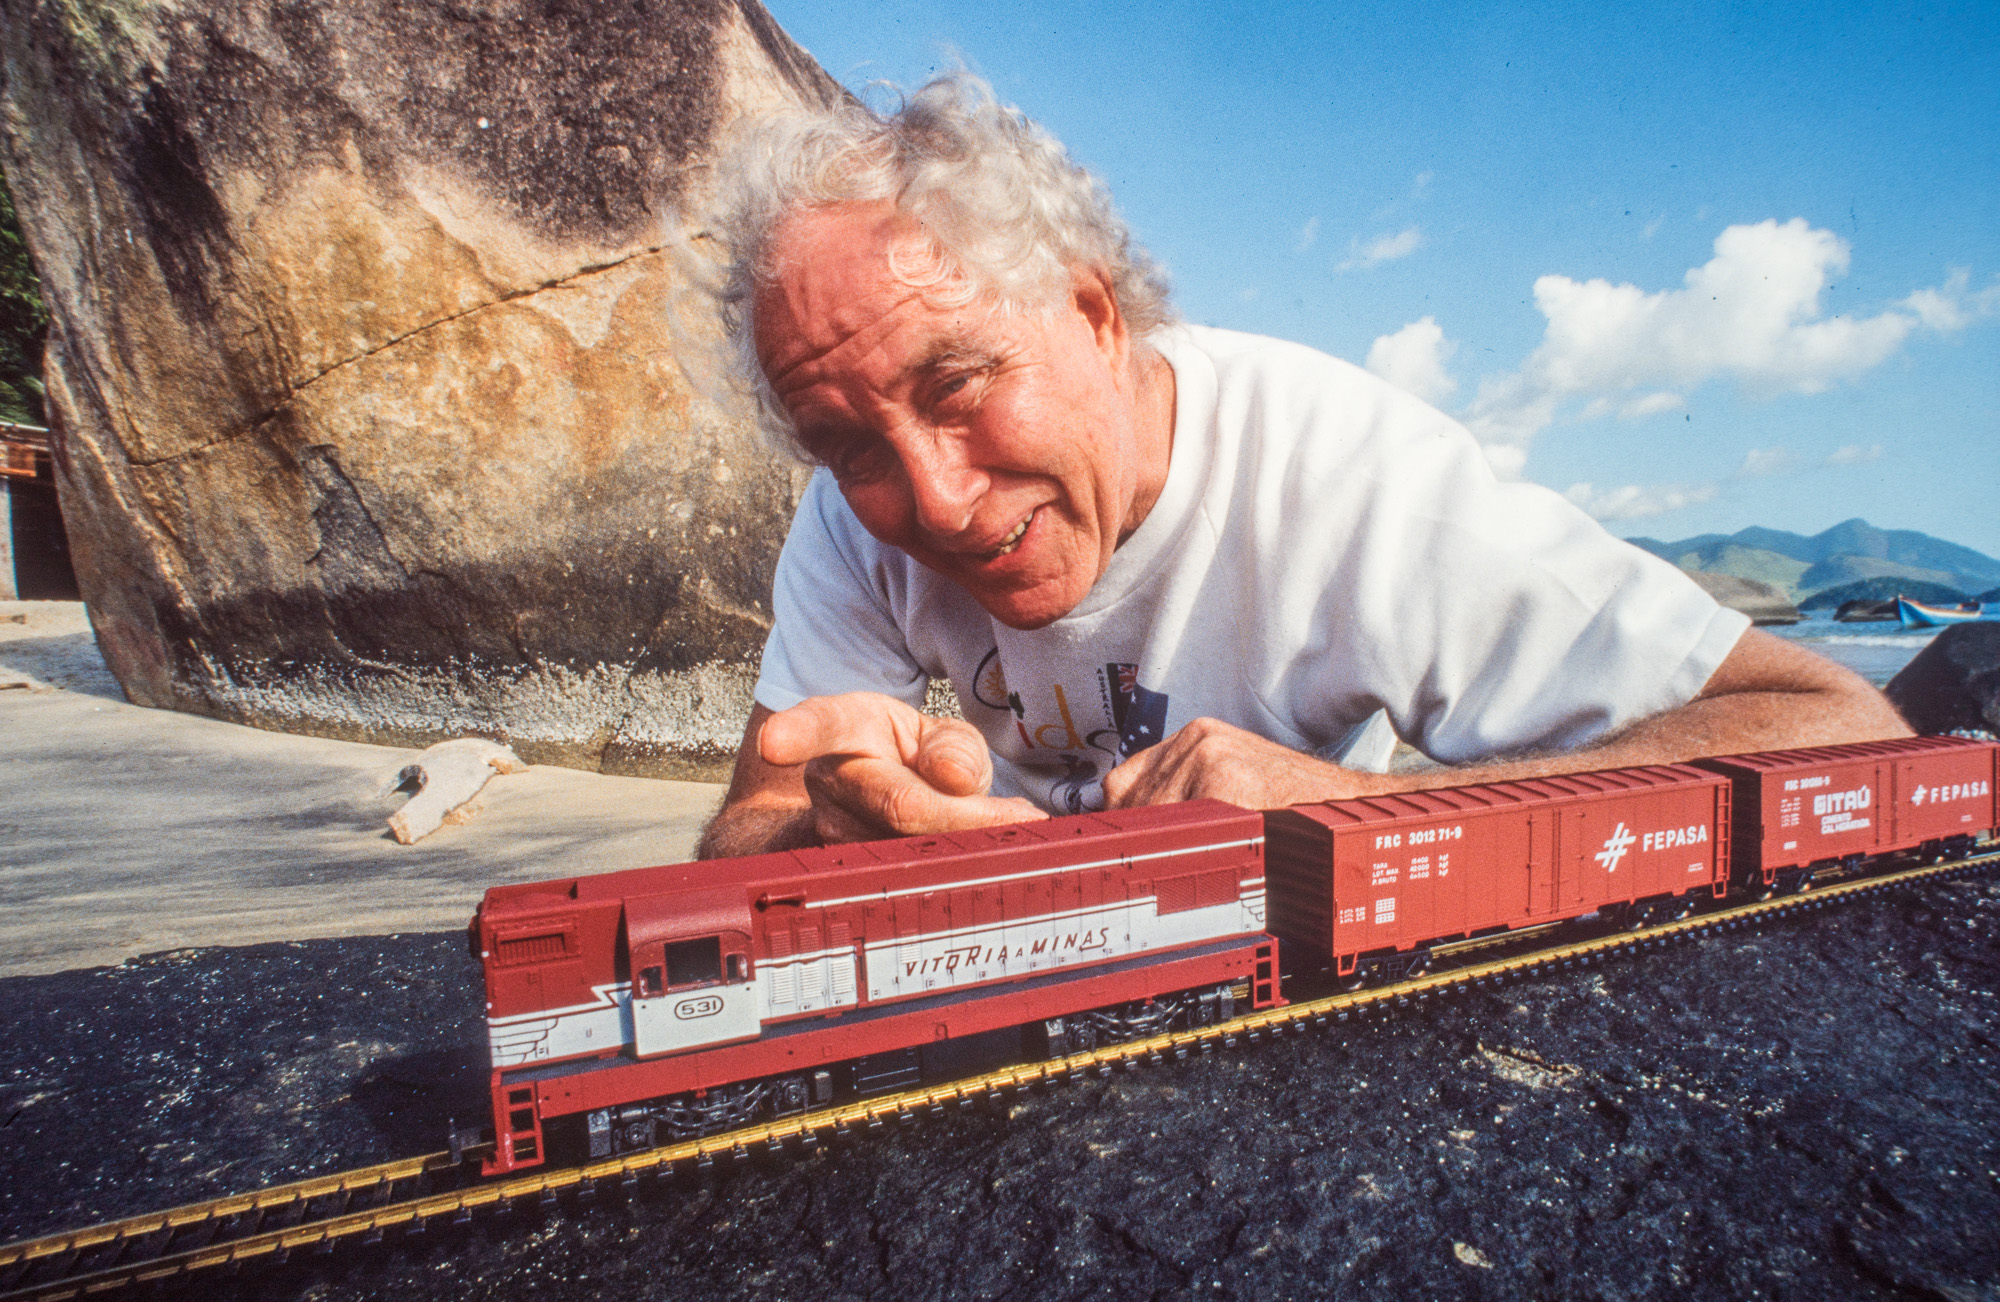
(1851, 553)
(24, 324)
(1883, 589)
(1755, 563)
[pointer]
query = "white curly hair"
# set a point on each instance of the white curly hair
(1009, 214)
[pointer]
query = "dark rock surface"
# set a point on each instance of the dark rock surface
(1954, 683)
(372, 328)
(1807, 1112)
(1860, 611)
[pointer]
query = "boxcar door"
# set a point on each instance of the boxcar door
(1543, 842)
(1573, 858)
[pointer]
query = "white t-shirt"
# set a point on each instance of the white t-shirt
(1327, 549)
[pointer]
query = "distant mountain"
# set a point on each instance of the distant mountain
(1853, 551)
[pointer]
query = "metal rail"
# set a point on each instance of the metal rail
(83, 1278)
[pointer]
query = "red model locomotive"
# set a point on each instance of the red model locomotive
(686, 1000)
(632, 1007)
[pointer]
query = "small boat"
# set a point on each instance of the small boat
(1915, 614)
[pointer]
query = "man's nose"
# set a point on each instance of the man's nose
(945, 487)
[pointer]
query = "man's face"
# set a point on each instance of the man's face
(1005, 452)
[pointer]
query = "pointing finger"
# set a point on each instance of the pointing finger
(856, 723)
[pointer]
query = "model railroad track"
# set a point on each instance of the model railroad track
(411, 1196)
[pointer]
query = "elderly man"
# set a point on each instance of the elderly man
(1156, 562)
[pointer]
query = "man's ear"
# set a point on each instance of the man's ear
(1092, 297)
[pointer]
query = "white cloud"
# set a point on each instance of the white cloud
(1414, 359)
(1308, 235)
(1651, 404)
(1248, 293)
(1383, 248)
(1653, 227)
(1752, 313)
(1636, 502)
(1949, 307)
(1767, 461)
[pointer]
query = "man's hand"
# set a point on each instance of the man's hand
(874, 767)
(1212, 759)
(855, 768)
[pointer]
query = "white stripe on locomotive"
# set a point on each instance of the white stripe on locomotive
(948, 960)
(564, 1032)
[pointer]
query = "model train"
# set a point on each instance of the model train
(630, 1008)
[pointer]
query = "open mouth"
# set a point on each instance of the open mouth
(1013, 540)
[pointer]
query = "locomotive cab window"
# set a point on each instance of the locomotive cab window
(694, 962)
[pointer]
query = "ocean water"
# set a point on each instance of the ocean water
(1876, 651)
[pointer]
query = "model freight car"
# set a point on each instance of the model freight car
(1372, 888)
(632, 1007)
(1802, 813)
(666, 1002)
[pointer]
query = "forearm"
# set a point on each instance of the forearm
(1839, 708)
(757, 826)
(1768, 695)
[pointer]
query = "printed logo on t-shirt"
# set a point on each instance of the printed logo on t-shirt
(1129, 718)
(1141, 715)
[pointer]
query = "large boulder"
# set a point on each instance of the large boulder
(372, 329)
(1763, 603)
(1953, 685)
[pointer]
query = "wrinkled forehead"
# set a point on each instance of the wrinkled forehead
(834, 276)
(827, 264)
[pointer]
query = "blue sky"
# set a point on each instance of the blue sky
(1539, 181)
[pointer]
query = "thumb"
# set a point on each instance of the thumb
(953, 757)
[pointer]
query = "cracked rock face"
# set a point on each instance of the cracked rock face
(369, 361)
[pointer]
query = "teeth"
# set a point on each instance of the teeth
(1013, 539)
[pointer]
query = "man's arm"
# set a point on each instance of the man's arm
(1767, 694)
(854, 768)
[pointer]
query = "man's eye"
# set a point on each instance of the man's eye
(960, 387)
(860, 462)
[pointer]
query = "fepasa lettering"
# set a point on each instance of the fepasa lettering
(1674, 837)
(1949, 792)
